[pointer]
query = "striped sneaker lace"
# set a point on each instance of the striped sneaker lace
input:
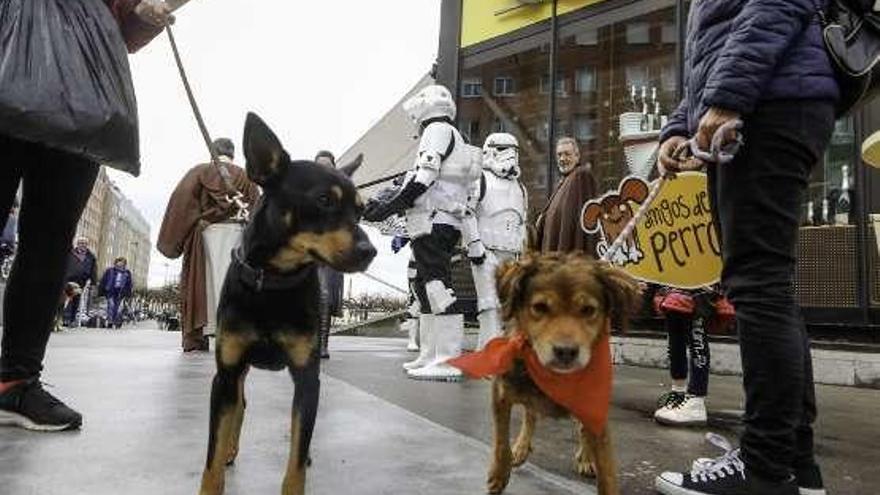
(728, 464)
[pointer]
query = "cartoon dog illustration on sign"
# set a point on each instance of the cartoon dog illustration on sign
(610, 214)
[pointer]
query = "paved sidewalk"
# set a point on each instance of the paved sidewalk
(146, 415)
(146, 407)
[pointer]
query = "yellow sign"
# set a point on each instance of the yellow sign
(483, 20)
(675, 244)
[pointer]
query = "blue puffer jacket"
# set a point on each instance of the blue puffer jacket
(742, 52)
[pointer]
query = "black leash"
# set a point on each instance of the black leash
(381, 180)
(233, 195)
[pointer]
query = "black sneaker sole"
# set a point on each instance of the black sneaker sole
(668, 488)
(8, 418)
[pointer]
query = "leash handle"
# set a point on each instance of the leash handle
(233, 196)
(691, 158)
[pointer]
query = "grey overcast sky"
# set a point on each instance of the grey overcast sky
(319, 73)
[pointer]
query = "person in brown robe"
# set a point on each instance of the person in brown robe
(198, 201)
(559, 225)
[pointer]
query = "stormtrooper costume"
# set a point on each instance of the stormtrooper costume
(497, 228)
(411, 323)
(435, 199)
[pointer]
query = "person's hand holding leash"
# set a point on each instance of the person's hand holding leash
(155, 12)
(712, 121)
(669, 160)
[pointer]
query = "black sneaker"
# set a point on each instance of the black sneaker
(725, 475)
(29, 406)
(809, 480)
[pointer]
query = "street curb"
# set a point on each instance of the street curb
(844, 368)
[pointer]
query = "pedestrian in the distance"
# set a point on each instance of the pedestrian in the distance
(82, 269)
(116, 285)
(332, 282)
(762, 62)
(56, 125)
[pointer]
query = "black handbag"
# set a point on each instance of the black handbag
(851, 32)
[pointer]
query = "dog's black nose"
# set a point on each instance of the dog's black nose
(565, 354)
(365, 250)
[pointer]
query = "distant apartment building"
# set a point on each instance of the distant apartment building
(114, 228)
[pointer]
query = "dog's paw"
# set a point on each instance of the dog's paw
(497, 483)
(583, 465)
(499, 476)
(521, 452)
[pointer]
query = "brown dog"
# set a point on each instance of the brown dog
(562, 304)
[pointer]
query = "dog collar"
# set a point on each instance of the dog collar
(260, 280)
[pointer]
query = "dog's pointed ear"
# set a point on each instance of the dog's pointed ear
(266, 158)
(511, 279)
(622, 293)
(351, 167)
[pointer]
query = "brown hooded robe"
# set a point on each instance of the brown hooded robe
(559, 226)
(198, 201)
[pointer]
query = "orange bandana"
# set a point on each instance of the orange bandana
(586, 394)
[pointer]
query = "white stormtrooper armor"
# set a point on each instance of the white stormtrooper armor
(501, 225)
(446, 168)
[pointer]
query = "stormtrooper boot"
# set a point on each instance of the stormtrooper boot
(411, 325)
(447, 334)
(490, 327)
(426, 347)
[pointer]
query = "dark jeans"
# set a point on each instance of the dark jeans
(756, 203)
(433, 254)
(56, 187)
(114, 309)
(688, 334)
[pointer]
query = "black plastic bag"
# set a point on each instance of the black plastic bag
(65, 80)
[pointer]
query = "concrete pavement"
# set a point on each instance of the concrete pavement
(146, 405)
(145, 432)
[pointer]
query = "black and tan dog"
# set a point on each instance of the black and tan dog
(268, 310)
(562, 304)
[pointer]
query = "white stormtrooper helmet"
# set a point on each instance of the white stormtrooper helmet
(501, 155)
(431, 102)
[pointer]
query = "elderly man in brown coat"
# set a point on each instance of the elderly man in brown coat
(198, 202)
(559, 225)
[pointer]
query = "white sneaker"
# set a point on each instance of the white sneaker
(689, 411)
(426, 349)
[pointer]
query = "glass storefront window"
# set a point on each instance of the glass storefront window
(827, 274)
(608, 57)
(518, 103)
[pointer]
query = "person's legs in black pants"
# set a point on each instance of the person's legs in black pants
(677, 326)
(432, 254)
(698, 347)
(56, 187)
(757, 200)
